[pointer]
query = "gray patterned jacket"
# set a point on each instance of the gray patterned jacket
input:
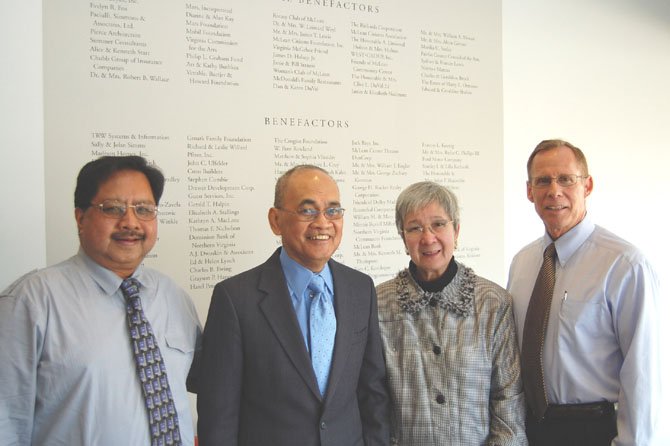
(452, 361)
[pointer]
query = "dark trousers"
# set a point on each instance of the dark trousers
(573, 426)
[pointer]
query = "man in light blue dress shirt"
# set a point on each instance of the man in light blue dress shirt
(601, 357)
(67, 370)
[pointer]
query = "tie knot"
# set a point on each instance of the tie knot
(316, 284)
(550, 251)
(130, 287)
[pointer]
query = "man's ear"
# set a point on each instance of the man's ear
(79, 218)
(529, 192)
(273, 219)
(588, 186)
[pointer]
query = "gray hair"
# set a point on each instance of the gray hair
(549, 144)
(420, 195)
(282, 181)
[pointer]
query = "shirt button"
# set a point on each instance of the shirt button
(436, 349)
(440, 399)
(323, 425)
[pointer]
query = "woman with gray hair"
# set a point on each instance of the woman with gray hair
(449, 340)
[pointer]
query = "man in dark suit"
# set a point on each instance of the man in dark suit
(269, 333)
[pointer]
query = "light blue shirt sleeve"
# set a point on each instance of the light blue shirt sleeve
(68, 374)
(603, 337)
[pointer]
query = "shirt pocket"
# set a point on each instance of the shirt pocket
(589, 317)
(180, 342)
(179, 351)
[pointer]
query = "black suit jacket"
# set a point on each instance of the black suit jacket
(256, 382)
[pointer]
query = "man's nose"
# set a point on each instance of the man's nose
(129, 219)
(555, 188)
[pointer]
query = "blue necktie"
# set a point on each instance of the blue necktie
(322, 328)
(163, 419)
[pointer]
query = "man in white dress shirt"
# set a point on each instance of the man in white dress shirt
(601, 354)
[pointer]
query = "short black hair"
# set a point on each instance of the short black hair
(96, 172)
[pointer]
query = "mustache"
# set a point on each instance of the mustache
(125, 235)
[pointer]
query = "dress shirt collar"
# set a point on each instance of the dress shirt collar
(298, 277)
(107, 280)
(569, 243)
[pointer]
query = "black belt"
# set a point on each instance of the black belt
(589, 411)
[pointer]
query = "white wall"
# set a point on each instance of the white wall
(22, 233)
(596, 74)
(593, 72)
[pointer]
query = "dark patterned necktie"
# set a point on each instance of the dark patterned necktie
(322, 328)
(534, 331)
(163, 419)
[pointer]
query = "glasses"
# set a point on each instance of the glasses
(437, 227)
(563, 180)
(117, 209)
(311, 214)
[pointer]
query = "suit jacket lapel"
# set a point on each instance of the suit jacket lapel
(277, 308)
